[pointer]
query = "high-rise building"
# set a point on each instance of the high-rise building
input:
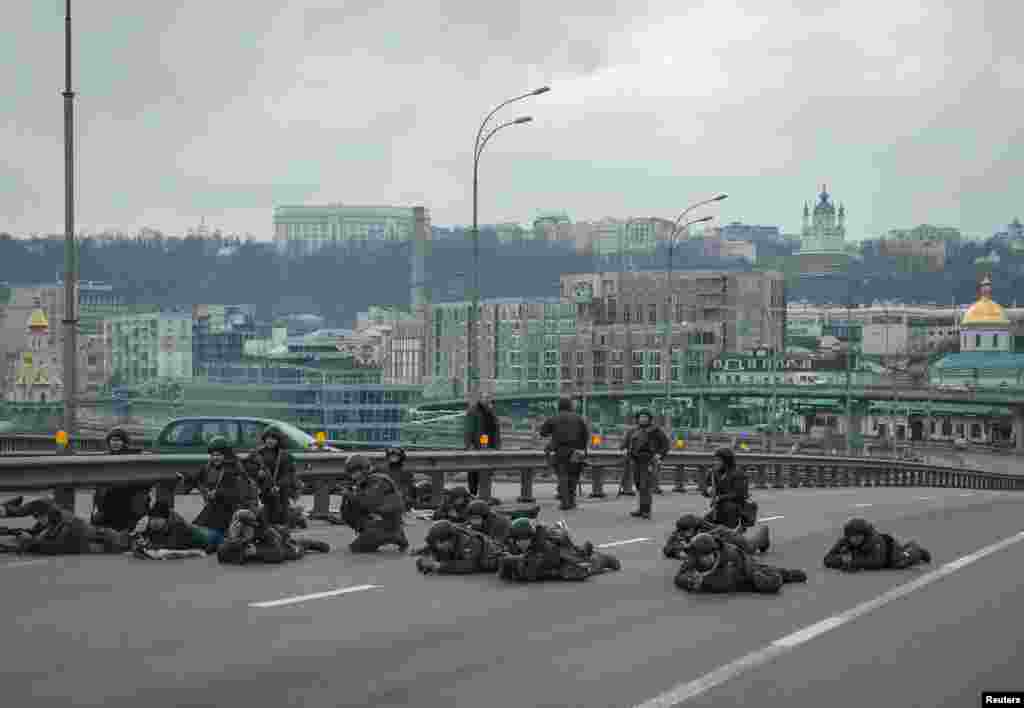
(151, 346)
(305, 229)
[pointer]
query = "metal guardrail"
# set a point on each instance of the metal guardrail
(65, 474)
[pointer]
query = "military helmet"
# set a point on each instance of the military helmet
(857, 527)
(558, 534)
(395, 450)
(440, 531)
(219, 444)
(118, 433)
(688, 522)
(521, 528)
(704, 543)
(357, 463)
(458, 492)
(272, 431)
(727, 456)
(247, 517)
(478, 507)
(643, 411)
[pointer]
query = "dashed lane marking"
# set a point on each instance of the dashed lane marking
(22, 564)
(314, 596)
(771, 518)
(924, 498)
(967, 494)
(612, 544)
(861, 506)
(685, 691)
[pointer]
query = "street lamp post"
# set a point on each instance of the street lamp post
(677, 228)
(70, 320)
(473, 389)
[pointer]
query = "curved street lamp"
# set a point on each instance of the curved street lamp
(678, 228)
(473, 375)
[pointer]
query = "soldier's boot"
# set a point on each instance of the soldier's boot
(914, 554)
(574, 571)
(793, 575)
(644, 512)
(656, 489)
(403, 541)
(759, 539)
(10, 507)
(311, 544)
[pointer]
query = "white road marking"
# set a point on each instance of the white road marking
(314, 596)
(923, 498)
(861, 506)
(612, 544)
(22, 564)
(685, 691)
(968, 494)
(771, 518)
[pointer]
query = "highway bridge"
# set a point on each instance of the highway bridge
(344, 630)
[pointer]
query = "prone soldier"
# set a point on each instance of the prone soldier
(452, 549)
(535, 552)
(863, 547)
(252, 538)
(712, 565)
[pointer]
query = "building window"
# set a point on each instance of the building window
(625, 313)
(566, 373)
(638, 373)
(617, 373)
(566, 358)
(638, 357)
(977, 341)
(617, 356)
(654, 373)
(551, 358)
(551, 372)
(599, 373)
(995, 341)
(579, 357)
(675, 373)
(579, 373)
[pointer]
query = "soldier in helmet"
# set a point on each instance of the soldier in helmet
(480, 516)
(394, 458)
(163, 529)
(569, 439)
(712, 565)
(862, 547)
(252, 538)
(729, 490)
(454, 503)
(454, 549)
(226, 487)
(689, 525)
(644, 447)
(536, 552)
(57, 531)
(373, 508)
(273, 468)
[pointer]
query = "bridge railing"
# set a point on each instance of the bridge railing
(323, 470)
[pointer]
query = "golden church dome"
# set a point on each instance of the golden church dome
(985, 312)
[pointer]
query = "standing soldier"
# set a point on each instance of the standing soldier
(644, 447)
(394, 458)
(481, 420)
(273, 468)
(570, 437)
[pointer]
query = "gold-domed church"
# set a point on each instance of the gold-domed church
(34, 381)
(986, 357)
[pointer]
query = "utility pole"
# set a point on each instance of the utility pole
(70, 321)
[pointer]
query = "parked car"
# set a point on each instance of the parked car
(191, 436)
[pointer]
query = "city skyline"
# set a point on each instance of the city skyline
(904, 119)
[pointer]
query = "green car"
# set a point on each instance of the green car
(191, 436)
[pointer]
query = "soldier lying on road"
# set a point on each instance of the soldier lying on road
(537, 552)
(862, 547)
(454, 549)
(712, 565)
(58, 531)
(252, 538)
(689, 525)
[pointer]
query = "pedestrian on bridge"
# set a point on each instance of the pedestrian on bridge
(644, 447)
(570, 438)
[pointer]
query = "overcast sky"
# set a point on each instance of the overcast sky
(909, 111)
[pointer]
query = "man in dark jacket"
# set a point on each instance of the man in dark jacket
(862, 547)
(119, 508)
(452, 549)
(713, 565)
(273, 469)
(644, 447)
(57, 531)
(373, 508)
(570, 438)
(251, 538)
(481, 419)
(729, 490)
(226, 487)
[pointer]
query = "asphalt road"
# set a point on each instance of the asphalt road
(116, 631)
